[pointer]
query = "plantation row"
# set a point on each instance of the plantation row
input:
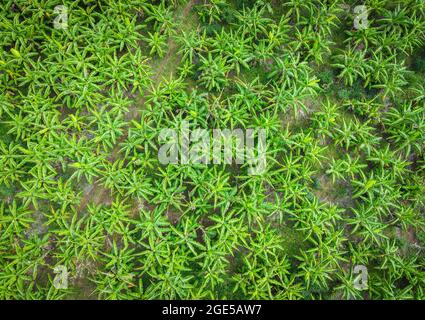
(82, 188)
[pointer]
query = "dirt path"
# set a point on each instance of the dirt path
(98, 194)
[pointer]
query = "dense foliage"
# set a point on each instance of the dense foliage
(80, 181)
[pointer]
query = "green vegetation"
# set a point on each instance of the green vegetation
(81, 186)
